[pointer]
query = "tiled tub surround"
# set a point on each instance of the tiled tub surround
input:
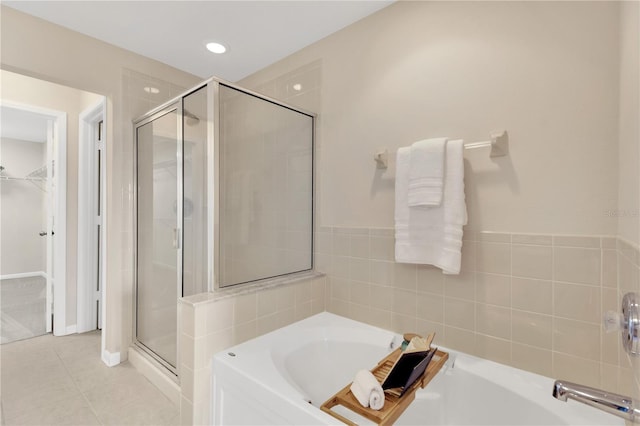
(211, 322)
(531, 301)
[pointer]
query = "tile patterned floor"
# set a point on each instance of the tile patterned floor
(62, 381)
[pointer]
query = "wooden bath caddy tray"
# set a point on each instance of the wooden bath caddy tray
(394, 406)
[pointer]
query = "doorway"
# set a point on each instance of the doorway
(33, 221)
(91, 220)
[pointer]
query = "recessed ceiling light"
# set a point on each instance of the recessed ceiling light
(297, 87)
(216, 47)
(153, 90)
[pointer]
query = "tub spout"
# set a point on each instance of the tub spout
(618, 405)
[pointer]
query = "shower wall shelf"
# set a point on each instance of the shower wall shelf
(499, 145)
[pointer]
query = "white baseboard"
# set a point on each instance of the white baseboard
(111, 359)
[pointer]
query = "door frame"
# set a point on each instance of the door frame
(59, 260)
(178, 236)
(87, 241)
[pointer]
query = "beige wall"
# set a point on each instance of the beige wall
(39, 93)
(629, 181)
(547, 72)
(550, 73)
(36, 48)
(629, 129)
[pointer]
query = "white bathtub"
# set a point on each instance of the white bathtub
(284, 376)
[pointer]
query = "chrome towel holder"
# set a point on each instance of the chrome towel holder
(499, 144)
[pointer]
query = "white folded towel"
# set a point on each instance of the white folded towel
(426, 172)
(367, 390)
(432, 235)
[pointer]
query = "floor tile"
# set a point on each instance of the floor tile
(62, 381)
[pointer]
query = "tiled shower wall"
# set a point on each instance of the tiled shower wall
(531, 301)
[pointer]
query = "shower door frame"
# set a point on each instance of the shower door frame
(212, 85)
(173, 105)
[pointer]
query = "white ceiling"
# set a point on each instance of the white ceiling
(256, 33)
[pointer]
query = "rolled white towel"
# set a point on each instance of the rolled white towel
(367, 390)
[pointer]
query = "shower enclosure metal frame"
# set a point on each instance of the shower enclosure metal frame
(212, 192)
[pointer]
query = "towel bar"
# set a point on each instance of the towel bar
(499, 144)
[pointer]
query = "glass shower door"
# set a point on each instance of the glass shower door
(158, 262)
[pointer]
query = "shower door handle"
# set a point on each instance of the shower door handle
(176, 238)
(42, 233)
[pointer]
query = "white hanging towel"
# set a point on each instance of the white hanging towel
(432, 235)
(426, 172)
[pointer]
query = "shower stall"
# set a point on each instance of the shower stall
(224, 197)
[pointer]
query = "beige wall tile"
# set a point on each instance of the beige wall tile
(359, 269)
(301, 311)
(576, 338)
(532, 295)
(575, 301)
(430, 279)
(610, 268)
(220, 315)
(424, 328)
(340, 266)
(459, 339)
(267, 302)
(493, 289)
(494, 349)
(576, 265)
(532, 329)
(360, 246)
(341, 244)
(430, 307)
(531, 261)
(323, 242)
(217, 342)
(381, 318)
(460, 286)
(493, 257)
(404, 303)
(460, 313)
(187, 319)
(610, 347)
(405, 276)
(576, 369)
(493, 320)
(382, 272)
(576, 241)
(360, 293)
(244, 331)
(531, 239)
(493, 237)
(382, 248)
(531, 359)
(628, 275)
(360, 313)
(303, 292)
(403, 323)
(381, 297)
(245, 308)
(340, 288)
